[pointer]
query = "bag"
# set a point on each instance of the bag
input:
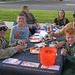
(47, 56)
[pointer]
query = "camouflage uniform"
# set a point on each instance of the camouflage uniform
(72, 24)
(5, 50)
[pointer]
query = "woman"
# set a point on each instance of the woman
(30, 19)
(61, 20)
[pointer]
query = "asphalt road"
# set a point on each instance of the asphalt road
(40, 5)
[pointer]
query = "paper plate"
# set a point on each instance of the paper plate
(35, 38)
(34, 50)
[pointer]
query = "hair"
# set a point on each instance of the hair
(73, 15)
(64, 19)
(22, 14)
(70, 31)
(24, 10)
(24, 7)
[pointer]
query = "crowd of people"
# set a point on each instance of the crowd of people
(26, 24)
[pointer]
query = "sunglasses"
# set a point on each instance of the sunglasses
(3, 28)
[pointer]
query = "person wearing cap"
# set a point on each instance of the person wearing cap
(5, 50)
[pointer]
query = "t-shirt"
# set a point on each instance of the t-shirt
(18, 33)
(60, 22)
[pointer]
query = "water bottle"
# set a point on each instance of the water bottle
(43, 43)
(51, 28)
(47, 24)
(48, 29)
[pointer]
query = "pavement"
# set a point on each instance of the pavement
(10, 24)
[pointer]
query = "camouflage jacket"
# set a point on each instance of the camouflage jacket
(5, 50)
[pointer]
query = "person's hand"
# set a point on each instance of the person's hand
(59, 44)
(38, 27)
(30, 26)
(51, 34)
(19, 48)
(22, 42)
(63, 52)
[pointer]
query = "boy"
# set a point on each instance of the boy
(19, 32)
(69, 51)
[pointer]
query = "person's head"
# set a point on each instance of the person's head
(61, 13)
(21, 19)
(69, 34)
(3, 28)
(25, 8)
(74, 17)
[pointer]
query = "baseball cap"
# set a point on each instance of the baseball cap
(2, 24)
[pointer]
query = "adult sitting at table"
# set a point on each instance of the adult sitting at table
(7, 51)
(61, 20)
(30, 19)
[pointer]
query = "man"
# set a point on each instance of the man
(5, 50)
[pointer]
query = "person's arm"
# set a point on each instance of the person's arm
(70, 57)
(10, 51)
(12, 36)
(60, 44)
(55, 21)
(27, 34)
(61, 31)
(53, 34)
(67, 21)
(35, 21)
(5, 53)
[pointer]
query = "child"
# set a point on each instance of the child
(20, 32)
(61, 20)
(69, 51)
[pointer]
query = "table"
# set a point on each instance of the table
(10, 69)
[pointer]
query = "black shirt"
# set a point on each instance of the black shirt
(60, 22)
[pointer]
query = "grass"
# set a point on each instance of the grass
(41, 15)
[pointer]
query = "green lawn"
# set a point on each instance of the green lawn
(41, 15)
